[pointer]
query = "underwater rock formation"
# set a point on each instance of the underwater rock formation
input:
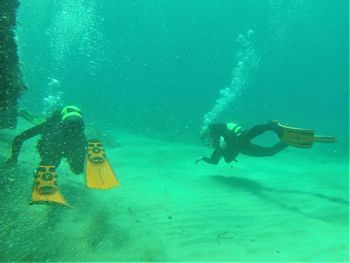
(11, 80)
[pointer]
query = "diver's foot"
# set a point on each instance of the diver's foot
(275, 126)
(275, 122)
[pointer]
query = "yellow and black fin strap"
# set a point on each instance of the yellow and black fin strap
(99, 173)
(45, 190)
(302, 138)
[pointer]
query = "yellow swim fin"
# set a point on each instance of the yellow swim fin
(98, 171)
(302, 138)
(45, 189)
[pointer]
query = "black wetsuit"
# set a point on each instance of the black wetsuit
(56, 142)
(240, 143)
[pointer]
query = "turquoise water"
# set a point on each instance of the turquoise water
(161, 57)
(164, 69)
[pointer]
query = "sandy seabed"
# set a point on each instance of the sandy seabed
(290, 207)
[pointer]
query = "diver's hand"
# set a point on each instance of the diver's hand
(223, 144)
(198, 160)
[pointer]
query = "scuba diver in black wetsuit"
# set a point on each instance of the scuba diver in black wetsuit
(229, 140)
(62, 136)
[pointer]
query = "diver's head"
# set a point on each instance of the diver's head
(72, 119)
(210, 135)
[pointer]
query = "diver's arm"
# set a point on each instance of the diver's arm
(19, 139)
(214, 158)
(30, 117)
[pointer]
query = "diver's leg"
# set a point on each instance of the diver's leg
(49, 154)
(76, 160)
(260, 151)
(259, 129)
